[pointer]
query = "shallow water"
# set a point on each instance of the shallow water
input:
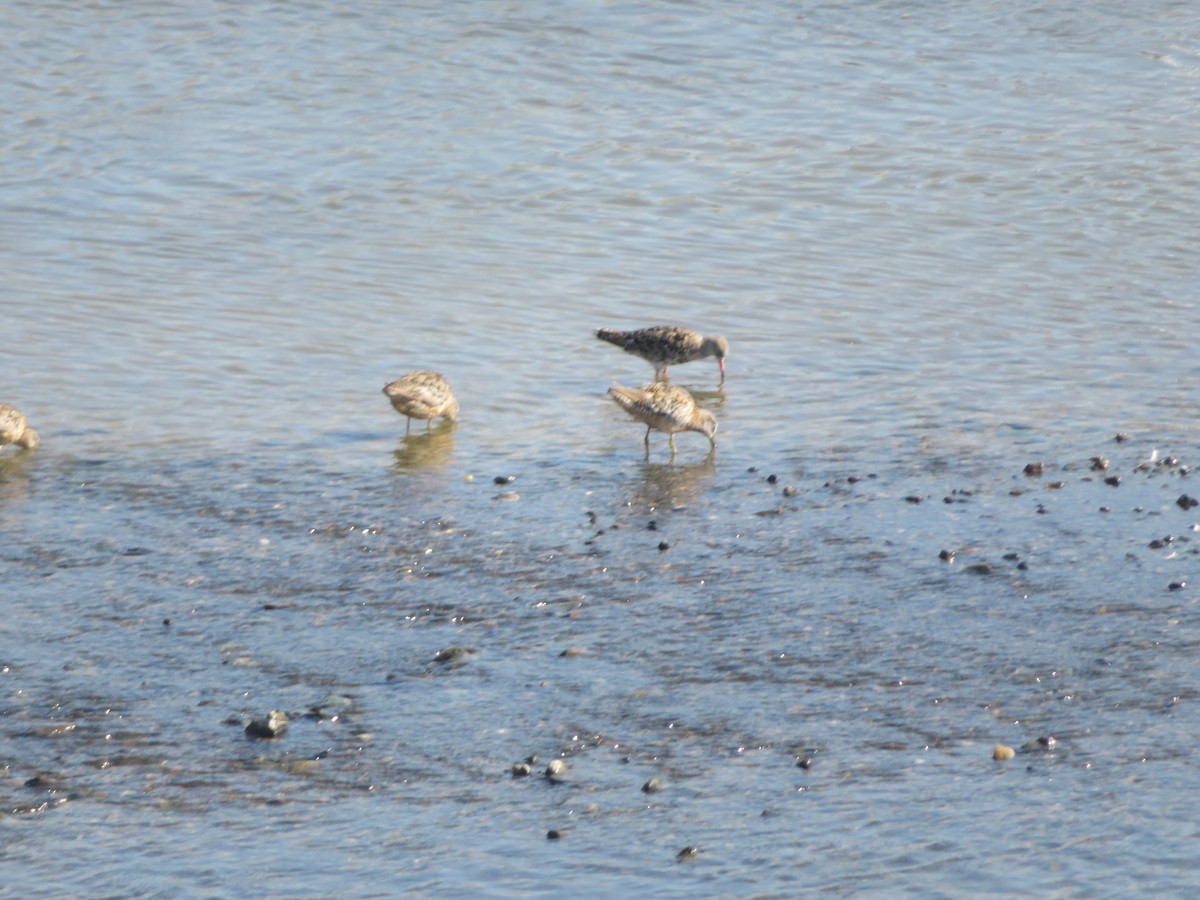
(943, 241)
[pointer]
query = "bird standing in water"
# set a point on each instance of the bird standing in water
(668, 345)
(422, 395)
(666, 408)
(15, 430)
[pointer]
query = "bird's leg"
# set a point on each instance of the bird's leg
(671, 441)
(646, 440)
(407, 425)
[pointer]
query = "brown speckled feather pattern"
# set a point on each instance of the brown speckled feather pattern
(667, 345)
(665, 407)
(14, 429)
(422, 395)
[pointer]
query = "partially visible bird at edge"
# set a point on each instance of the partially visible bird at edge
(668, 345)
(422, 395)
(15, 430)
(668, 408)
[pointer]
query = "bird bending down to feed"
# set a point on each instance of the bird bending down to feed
(14, 429)
(667, 408)
(422, 395)
(668, 345)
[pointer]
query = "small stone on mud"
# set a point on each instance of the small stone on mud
(1002, 752)
(1186, 502)
(663, 545)
(804, 762)
(789, 491)
(504, 479)
(1176, 585)
(573, 651)
(272, 726)
(554, 834)
(1113, 480)
(1046, 742)
(452, 654)
(1054, 485)
(1034, 468)
(1121, 437)
(687, 853)
(771, 479)
(653, 786)
(947, 555)
(979, 568)
(521, 770)
(913, 498)
(652, 525)
(556, 771)
(508, 495)
(1099, 463)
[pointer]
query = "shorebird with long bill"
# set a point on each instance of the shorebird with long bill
(422, 395)
(668, 345)
(668, 408)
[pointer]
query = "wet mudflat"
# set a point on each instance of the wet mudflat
(791, 653)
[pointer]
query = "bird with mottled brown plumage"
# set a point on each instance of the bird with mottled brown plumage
(15, 430)
(668, 345)
(668, 408)
(422, 395)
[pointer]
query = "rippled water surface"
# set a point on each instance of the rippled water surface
(944, 240)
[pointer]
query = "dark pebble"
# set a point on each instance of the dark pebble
(452, 654)
(272, 726)
(1177, 585)
(166, 621)
(1099, 463)
(752, 469)
(771, 479)
(1054, 485)
(1011, 557)
(554, 834)
(946, 555)
(653, 786)
(663, 545)
(853, 479)
(805, 762)
(979, 568)
(504, 479)
(653, 526)
(912, 498)
(1034, 468)
(1022, 565)
(1186, 502)
(1114, 480)
(1121, 437)
(1106, 509)
(687, 853)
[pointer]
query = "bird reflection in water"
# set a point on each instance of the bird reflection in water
(425, 449)
(672, 485)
